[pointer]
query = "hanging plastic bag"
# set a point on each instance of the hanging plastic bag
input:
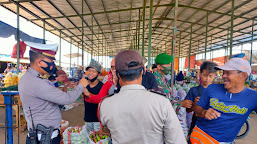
(75, 135)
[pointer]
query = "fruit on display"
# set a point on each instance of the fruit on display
(95, 136)
(104, 73)
(11, 79)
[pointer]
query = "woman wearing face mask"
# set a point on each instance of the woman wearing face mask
(94, 87)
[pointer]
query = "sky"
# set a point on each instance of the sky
(35, 31)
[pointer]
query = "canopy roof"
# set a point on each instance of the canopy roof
(116, 22)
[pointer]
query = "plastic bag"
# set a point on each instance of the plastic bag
(64, 125)
(79, 137)
(102, 141)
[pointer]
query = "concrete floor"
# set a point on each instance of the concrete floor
(75, 117)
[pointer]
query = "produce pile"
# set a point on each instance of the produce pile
(79, 135)
(12, 79)
(96, 137)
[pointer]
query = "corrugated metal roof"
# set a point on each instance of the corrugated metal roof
(116, 22)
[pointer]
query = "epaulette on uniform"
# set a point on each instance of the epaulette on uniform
(156, 92)
(107, 96)
(40, 77)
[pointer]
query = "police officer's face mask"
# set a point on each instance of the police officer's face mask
(51, 68)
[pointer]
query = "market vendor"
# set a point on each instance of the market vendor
(10, 68)
(40, 98)
(94, 87)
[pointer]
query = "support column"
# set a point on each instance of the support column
(44, 30)
(138, 30)
(82, 35)
(190, 46)
(98, 46)
(60, 50)
(179, 49)
(92, 38)
(70, 55)
(18, 39)
(226, 49)
(211, 51)
(165, 47)
(102, 49)
(78, 56)
(150, 33)
(136, 36)
(143, 32)
(252, 43)
(206, 35)
(174, 43)
(232, 25)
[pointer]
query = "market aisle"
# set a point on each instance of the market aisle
(75, 117)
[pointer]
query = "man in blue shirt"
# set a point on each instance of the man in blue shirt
(224, 108)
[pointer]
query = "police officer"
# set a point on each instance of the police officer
(135, 115)
(40, 98)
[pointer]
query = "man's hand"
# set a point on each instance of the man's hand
(102, 132)
(86, 92)
(186, 103)
(211, 114)
(197, 99)
(72, 85)
(60, 79)
(83, 82)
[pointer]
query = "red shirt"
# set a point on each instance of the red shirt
(103, 92)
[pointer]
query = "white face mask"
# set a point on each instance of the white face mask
(113, 73)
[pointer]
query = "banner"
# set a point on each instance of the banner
(176, 62)
(192, 62)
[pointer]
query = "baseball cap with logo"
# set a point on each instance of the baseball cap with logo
(236, 64)
(128, 60)
(96, 65)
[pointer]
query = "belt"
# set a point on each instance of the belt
(55, 133)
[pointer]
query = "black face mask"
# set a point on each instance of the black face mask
(51, 68)
(92, 80)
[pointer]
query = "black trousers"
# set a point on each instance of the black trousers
(56, 140)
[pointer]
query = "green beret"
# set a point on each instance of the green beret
(163, 58)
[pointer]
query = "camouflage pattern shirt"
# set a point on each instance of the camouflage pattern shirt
(164, 88)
